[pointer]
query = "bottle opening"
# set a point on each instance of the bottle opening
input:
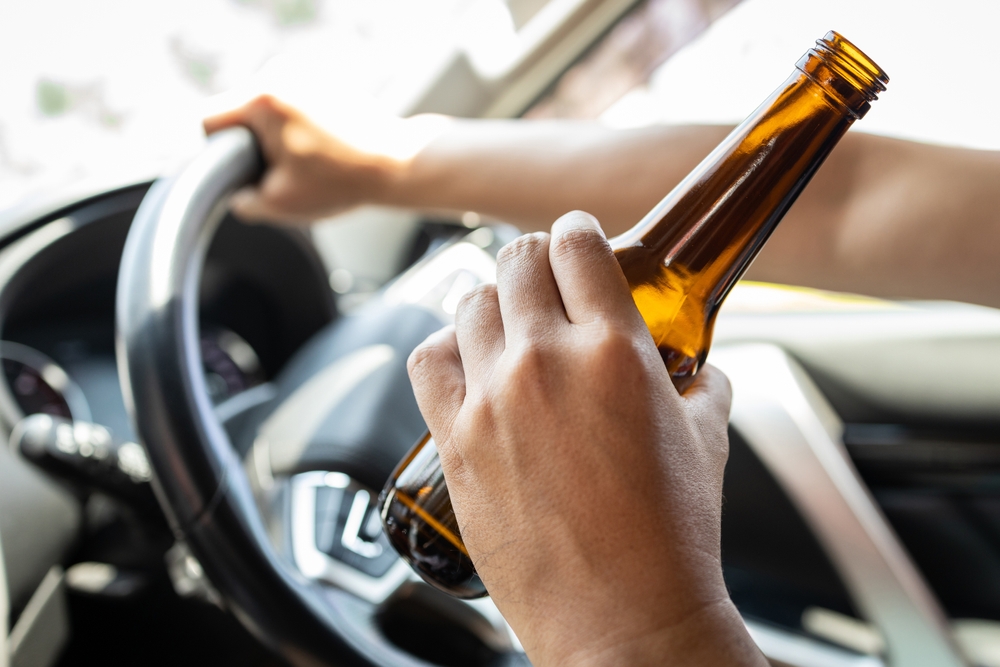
(838, 51)
(844, 71)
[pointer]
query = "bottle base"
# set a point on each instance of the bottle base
(442, 562)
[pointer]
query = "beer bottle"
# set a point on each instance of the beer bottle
(681, 261)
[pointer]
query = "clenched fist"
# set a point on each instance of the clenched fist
(588, 491)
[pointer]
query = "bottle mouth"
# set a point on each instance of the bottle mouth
(851, 63)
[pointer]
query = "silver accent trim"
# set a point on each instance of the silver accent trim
(53, 374)
(318, 566)
(351, 538)
(245, 400)
(786, 649)
(315, 564)
(4, 610)
(187, 576)
(41, 632)
(797, 436)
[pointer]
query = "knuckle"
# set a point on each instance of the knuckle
(479, 410)
(458, 447)
(267, 105)
(615, 352)
(265, 101)
(421, 357)
(528, 368)
(718, 392)
(576, 242)
(454, 458)
(521, 247)
(477, 298)
(611, 342)
(725, 391)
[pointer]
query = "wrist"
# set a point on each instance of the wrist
(406, 173)
(712, 635)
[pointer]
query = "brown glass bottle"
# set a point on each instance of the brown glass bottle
(681, 260)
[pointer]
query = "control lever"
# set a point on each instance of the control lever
(87, 454)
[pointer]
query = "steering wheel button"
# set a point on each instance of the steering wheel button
(348, 528)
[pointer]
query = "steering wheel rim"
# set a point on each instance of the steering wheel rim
(198, 477)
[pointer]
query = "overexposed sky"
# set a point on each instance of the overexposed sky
(120, 86)
(96, 86)
(939, 57)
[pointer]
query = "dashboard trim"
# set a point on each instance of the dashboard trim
(798, 437)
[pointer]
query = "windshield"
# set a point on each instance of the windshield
(937, 56)
(117, 87)
(91, 86)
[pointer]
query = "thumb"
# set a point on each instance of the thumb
(248, 205)
(710, 394)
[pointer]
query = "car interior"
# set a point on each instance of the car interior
(201, 412)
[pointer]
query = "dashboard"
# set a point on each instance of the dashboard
(924, 441)
(264, 293)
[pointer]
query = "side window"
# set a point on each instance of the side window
(626, 56)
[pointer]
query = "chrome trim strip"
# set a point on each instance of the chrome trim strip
(42, 630)
(4, 611)
(797, 435)
(351, 538)
(315, 564)
(787, 649)
(245, 400)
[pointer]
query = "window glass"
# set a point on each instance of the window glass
(938, 56)
(626, 57)
(92, 86)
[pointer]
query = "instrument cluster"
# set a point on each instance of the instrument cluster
(40, 385)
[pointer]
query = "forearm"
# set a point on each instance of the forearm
(894, 219)
(531, 172)
(884, 217)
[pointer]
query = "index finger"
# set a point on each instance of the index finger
(590, 280)
(265, 116)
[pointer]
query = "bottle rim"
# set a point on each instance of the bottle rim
(852, 63)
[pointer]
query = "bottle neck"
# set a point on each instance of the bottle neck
(710, 227)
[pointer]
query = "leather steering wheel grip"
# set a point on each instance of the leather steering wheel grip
(198, 477)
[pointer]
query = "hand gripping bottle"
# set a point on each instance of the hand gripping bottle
(681, 261)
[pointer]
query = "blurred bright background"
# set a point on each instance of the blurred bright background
(95, 87)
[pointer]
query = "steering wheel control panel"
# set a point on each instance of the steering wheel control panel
(348, 527)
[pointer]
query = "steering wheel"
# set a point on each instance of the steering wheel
(257, 542)
(285, 532)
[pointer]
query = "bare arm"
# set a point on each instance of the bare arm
(883, 217)
(531, 172)
(894, 219)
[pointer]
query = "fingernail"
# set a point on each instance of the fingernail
(575, 220)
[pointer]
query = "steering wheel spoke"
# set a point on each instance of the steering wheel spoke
(334, 538)
(298, 557)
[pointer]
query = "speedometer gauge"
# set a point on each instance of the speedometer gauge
(39, 385)
(231, 365)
